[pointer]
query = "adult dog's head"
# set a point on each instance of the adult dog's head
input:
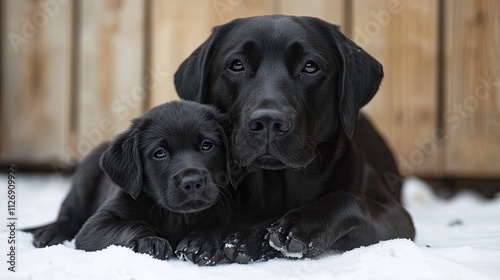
(175, 154)
(288, 83)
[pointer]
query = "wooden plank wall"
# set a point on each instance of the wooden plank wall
(94, 65)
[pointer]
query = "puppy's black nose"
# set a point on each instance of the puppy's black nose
(192, 183)
(270, 120)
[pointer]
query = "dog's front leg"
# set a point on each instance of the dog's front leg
(340, 220)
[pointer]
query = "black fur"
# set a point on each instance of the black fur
(165, 189)
(293, 87)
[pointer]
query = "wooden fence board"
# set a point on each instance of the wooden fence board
(176, 28)
(472, 75)
(35, 69)
(402, 35)
(110, 70)
(329, 10)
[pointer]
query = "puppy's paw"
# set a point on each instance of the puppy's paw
(202, 251)
(248, 246)
(296, 235)
(155, 246)
(49, 235)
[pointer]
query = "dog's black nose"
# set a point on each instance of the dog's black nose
(192, 182)
(270, 120)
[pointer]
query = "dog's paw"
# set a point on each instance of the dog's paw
(248, 246)
(49, 235)
(157, 247)
(295, 235)
(199, 250)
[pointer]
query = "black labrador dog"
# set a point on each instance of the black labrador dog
(293, 87)
(165, 188)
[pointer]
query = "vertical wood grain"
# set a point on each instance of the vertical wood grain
(472, 89)
(3, 34)
(329, 10)
(35, 69)
(402, 35)
(223, 11)
(177, 28)
(111, 72)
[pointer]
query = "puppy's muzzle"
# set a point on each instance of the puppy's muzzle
(191, 181)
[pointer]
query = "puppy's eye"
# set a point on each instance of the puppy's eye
(207, 145)
(310, 67)
(160, 153)
(236, 66)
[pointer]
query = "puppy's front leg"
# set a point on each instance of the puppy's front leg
(202, 246)
(250, 245)
(155, 246)
(105, 229)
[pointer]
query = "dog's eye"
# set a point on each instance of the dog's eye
(310, 68)
(206, 146)
(236, 66)
(160, 153)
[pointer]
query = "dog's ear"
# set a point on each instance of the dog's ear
(122, 161)
(192, 78)
(358, 79)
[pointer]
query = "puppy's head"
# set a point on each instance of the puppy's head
(288, 83)
(175, 154)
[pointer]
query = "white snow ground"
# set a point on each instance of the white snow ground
(456, 239)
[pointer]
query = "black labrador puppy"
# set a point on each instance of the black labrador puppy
(293, 87)
(165, 188)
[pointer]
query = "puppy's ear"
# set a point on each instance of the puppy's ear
(358, 79)
(192, 78)
(122, 161)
